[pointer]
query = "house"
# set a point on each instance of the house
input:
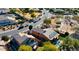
(4, 10)
(50, 33)
(7, 19)
(68, 25)
(19, 39)
(44, 34)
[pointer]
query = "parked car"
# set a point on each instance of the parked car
(20, 27)
(34, 21)
(26, 25)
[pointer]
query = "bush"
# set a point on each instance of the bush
(25, 48)
(47, 21)
(70, 43)
(47, 47)
(40, 49)
(33, 15)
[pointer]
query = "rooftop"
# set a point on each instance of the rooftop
(21, 37)
(37, 30)
(4, 10)
(5, 16)
(7, 19)
(49, 32)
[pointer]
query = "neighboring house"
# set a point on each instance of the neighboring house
(19, 40)
(4, 10)
(75, 35)
(7, 19)
(44, 34)
(68, 25)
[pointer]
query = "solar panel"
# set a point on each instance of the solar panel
(52, 34)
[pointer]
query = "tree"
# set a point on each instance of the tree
(66, 33)
(5, 38)
(33, 15)
(76, 44)
(32, 11)
(50, 48)
(12, 10)
(51, 10)
(25, 10)
(30, 27)
(3, 29)
(67, 17)
(25, 48)
(47, 21)
(59, 12)
(76, 18)
(70, 44)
